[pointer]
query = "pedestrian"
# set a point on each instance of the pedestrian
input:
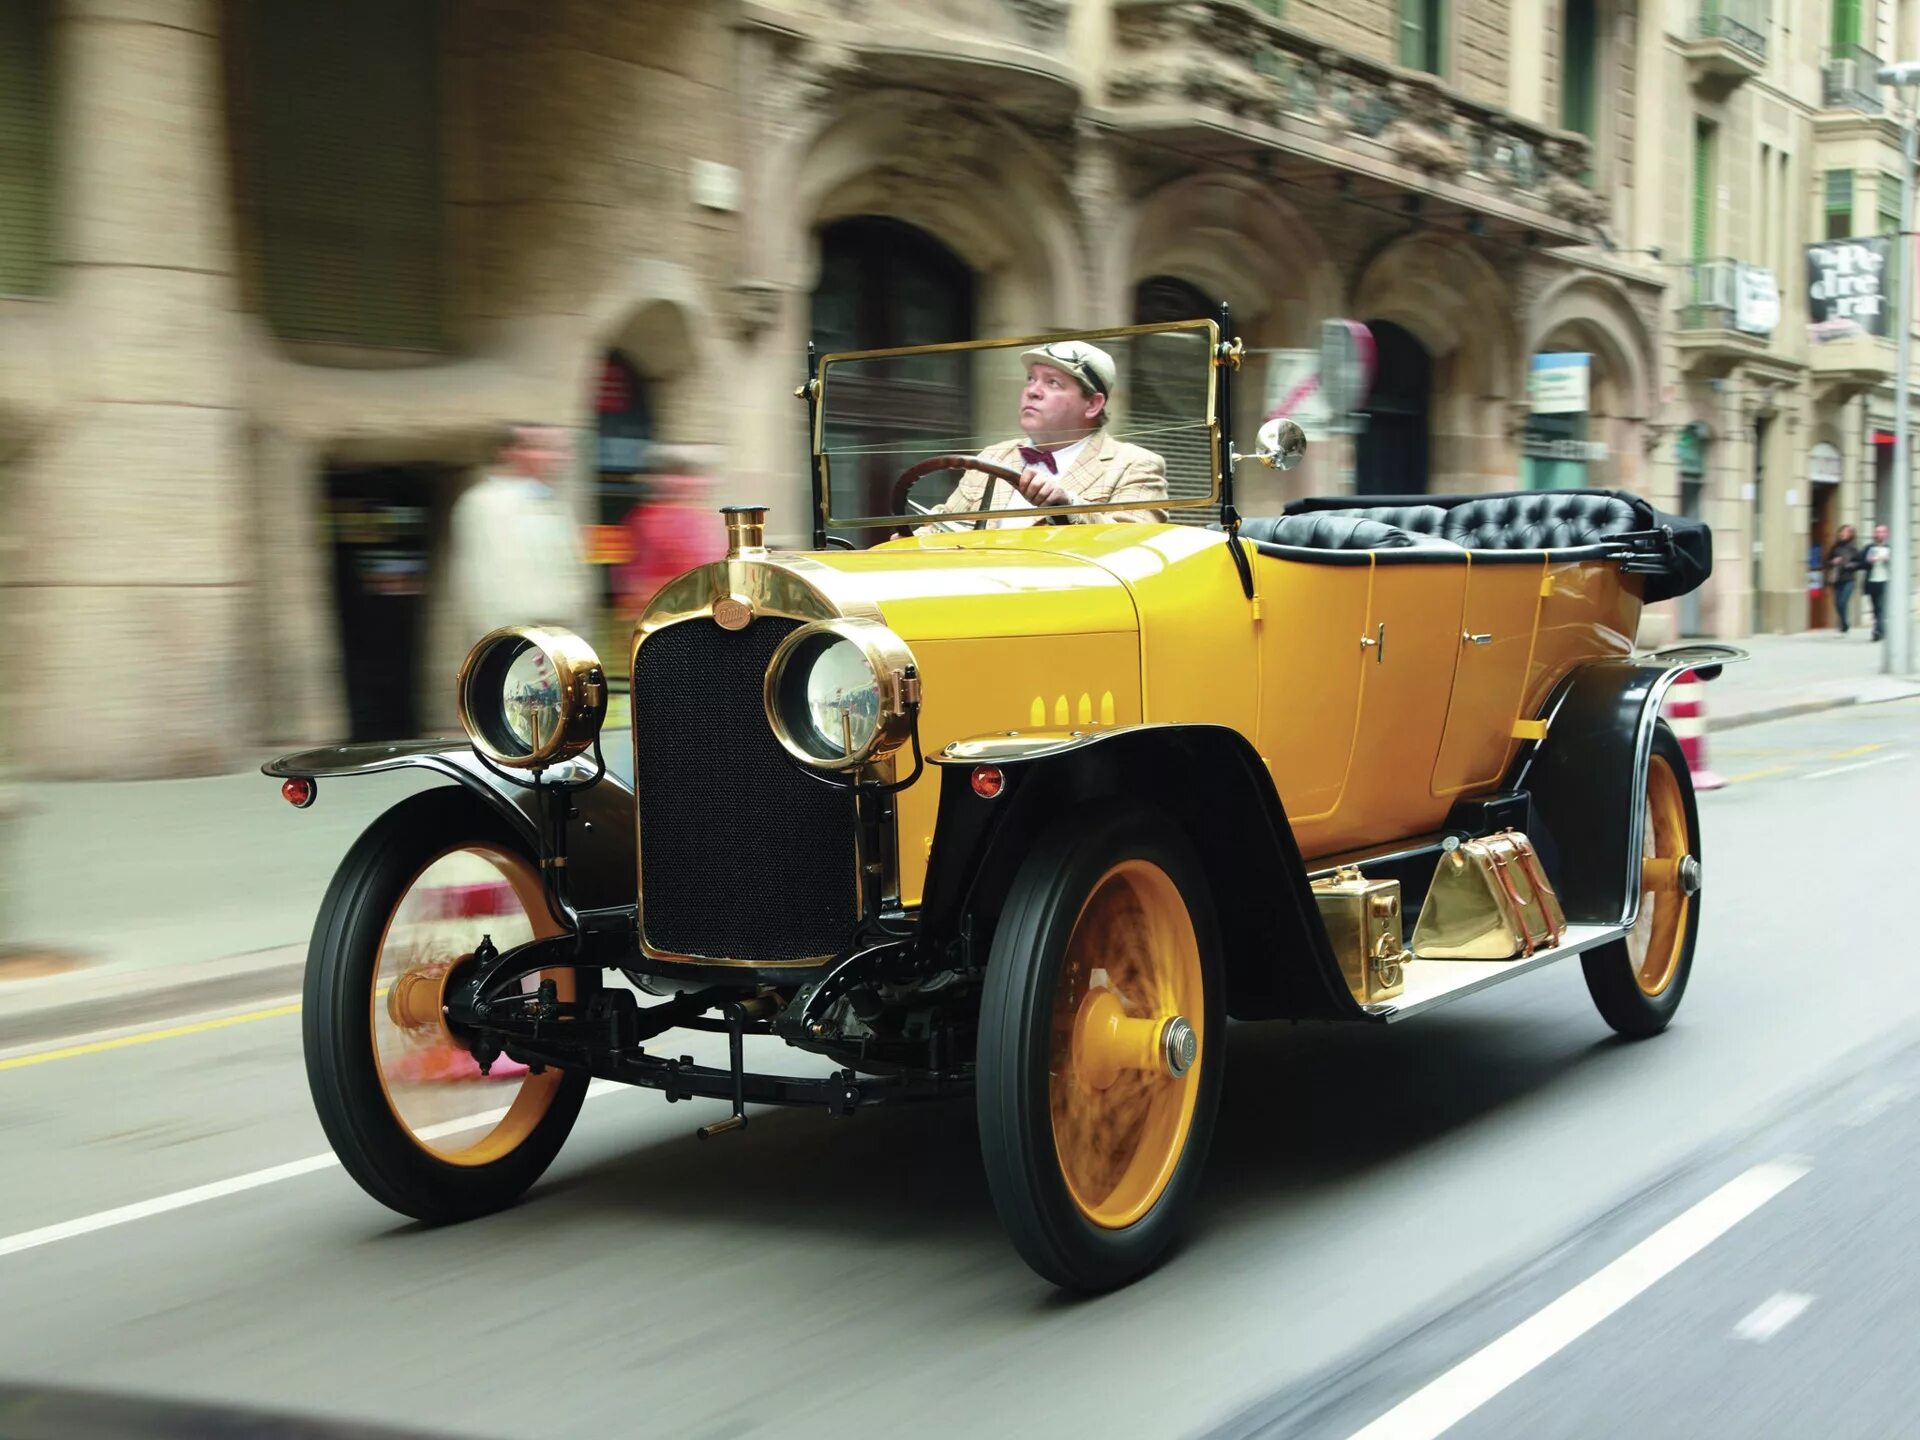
(672, 529)
(1843, 566)
(1878, 561)
(515, 555)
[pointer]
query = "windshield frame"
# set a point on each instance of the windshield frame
(1220, 359)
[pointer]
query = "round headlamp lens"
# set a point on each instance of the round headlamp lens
(530, 701)
(843, 698)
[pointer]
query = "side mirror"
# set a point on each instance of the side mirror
(1281, 443)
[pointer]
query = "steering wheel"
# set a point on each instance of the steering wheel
(898, 500)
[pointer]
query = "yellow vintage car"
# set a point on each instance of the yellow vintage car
(993, 791)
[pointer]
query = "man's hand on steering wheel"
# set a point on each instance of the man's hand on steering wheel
(1039, 487)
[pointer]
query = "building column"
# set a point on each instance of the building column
(133, 504)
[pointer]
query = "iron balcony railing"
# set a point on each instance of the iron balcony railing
(1850, 80)
(1741, 23)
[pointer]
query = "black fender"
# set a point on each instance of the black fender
(1209, 778)
(602, 868)
(1588, 777)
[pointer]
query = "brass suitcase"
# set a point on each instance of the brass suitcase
(1364, 923)
(1489, 900)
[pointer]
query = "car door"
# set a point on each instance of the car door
(1312, 615)
(1409, 649)
(1494, 649)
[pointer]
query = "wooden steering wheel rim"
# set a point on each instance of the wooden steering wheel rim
(937, 463)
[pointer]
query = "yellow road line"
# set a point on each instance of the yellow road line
(1760, 774)
(20, 1062)
(1857, 750)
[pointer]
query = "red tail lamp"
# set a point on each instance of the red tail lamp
(299, 792)
(988, 781)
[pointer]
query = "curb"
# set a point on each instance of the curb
(238, 987)
(1780, 712)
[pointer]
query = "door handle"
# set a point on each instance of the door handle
(1379, 646)
(1473, 639)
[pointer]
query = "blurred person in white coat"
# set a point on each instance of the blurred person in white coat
(515, 554)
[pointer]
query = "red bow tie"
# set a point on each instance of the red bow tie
(1039, 457)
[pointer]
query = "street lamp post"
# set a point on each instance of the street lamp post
(1898, 658)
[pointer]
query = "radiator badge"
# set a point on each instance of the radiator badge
(732, 612)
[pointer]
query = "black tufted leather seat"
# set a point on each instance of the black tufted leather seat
(1326, 530)
(1549, 520)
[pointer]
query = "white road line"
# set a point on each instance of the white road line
(1877, 1104)
(1772, 1316)
(253, 1180)
(1444, 1402)
(1857, 765)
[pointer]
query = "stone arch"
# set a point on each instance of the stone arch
(1594, 314)
(656, 318)
(960, 174)
(1445, 294)
(1229, 235)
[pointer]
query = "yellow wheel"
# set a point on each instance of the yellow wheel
(1637, 982)
(1099, 1053)
(409, 1112)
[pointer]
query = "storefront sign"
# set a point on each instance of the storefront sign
(1846, 287)
(1585, 451)
(1756, 300)
(1823, 464)
(1558, 384)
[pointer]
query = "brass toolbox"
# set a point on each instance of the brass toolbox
(1363, 921)
(1489, 900)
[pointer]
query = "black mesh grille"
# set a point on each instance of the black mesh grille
(742, 856)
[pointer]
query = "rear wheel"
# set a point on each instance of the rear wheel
(405, 1106)
(1101, 1045)
(1637, 982)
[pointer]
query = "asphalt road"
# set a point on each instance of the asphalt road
(1382, 1205)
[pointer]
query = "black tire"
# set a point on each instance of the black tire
(1025, 1171)
(1612, 971)
(344, 1073)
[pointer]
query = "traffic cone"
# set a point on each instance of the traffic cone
(1686, 711)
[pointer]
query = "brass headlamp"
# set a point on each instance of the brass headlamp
(842, 693)
(531, 697)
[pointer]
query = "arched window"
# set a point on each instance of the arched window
(884, 283)
(337, 150)
(26, 135)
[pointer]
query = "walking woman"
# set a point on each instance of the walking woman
(1843, 566)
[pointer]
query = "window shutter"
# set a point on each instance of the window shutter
(1578, 47)
(1702, 189)
(1839, 204)
(345, 149)
(1413, 34)
(26, 132)
(1846, 24)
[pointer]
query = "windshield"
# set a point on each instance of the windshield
(1110, 411)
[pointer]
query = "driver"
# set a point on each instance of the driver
(1067, 457)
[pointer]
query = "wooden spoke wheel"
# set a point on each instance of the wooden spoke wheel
(1637, 982)
(405, 1104)
(1100, 1047)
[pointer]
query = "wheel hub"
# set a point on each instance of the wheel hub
(1179, 1045)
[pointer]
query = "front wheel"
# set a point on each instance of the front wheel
(1102, 1029)
(1637, 982)
(405, 1106)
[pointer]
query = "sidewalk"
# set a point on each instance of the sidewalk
(129, 902)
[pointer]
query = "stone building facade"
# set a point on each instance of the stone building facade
(293, 275)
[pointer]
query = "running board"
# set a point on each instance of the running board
(1432, 983)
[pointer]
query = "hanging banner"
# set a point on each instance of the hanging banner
(1756, 300)
(1847, 287)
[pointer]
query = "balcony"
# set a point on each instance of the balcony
(1728, 43)
(1727, 314)
(1847, 81)
(1846, 366)
(1220, 74)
